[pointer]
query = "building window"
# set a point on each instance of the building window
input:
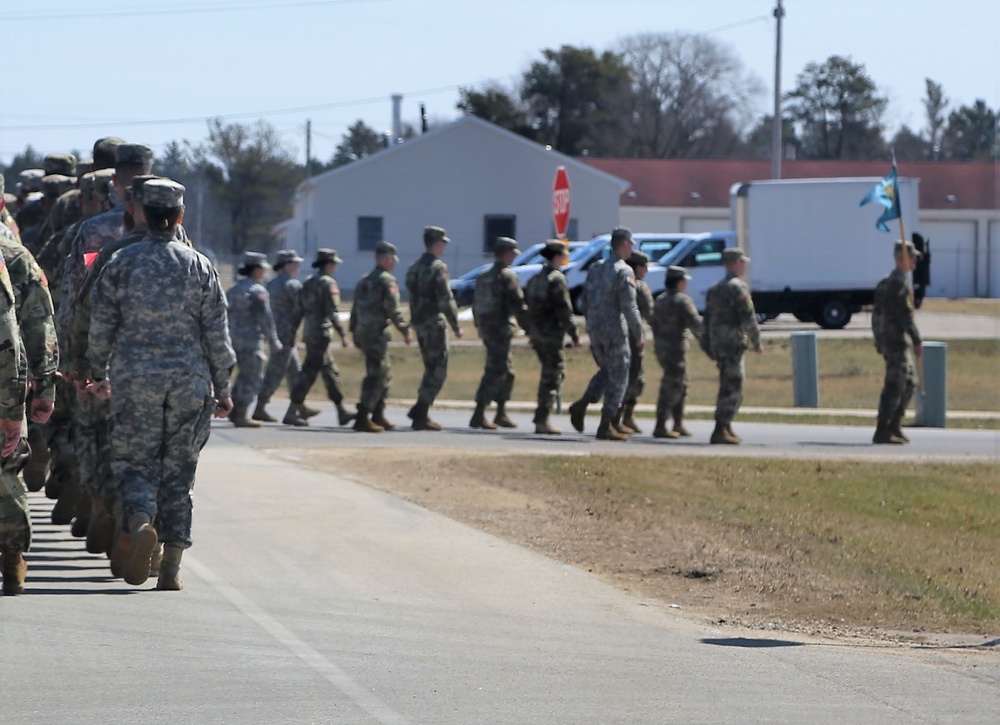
(369, 232)
(498, 225)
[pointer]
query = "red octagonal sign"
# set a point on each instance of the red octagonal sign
(560, 202)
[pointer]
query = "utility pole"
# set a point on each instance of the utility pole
(308, 147)
(776, 135)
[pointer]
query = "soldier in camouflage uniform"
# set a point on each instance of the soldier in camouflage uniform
(320, 297)
(892, 324)
(286, 306)
(250, 324)
(615, 329)
(91, 434)
(15, 521)
(376, 304)
(550, 319)
(638, 262)
(730, 329)
(431, 304)
(499, 301)
(673, 315)
(170, 360)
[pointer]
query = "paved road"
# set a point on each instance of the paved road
(311, 598)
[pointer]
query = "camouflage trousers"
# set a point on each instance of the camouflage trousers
(731, 374)
(636, 377)
(318, 362)
(898, 387)
(378, 368)
(158, 427)
(673, 384)
(610, 381)
(58, 435)
(498, 376)
(281, 365)
(550, 355)
(15, 520)
(432, 336)
(249, 375)
(92, 441)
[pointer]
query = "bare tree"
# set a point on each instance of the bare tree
(935, 104)
(690, 97)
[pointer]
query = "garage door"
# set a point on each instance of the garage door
(953, 257)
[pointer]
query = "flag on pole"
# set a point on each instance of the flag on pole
(886, 193)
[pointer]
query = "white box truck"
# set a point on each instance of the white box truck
(814, 252)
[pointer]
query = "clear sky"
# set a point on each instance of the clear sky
(154, 71)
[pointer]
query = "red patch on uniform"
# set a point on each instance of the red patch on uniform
(44, 279)
(88, 258)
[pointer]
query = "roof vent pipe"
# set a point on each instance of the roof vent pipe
(397, 122)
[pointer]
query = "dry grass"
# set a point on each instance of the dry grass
(990, 308)
(820, 546)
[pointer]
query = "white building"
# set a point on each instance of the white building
(471, 177)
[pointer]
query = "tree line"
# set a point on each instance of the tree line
(657, 95)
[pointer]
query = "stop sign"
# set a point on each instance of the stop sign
(560, 202)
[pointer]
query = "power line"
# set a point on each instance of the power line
(179, 10)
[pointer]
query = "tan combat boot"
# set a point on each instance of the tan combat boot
(421, 420)
(238, 416)
(616, 423)
(884, 435)
(100, 535)
(379, 419)
(628, 419)
(136, 568)
(660, 431)
(363, 425)
(260, 413)
(732, 433)
(679, 428)
(543, 427)
(306, 412)
(501, 419)
(292, 416)
(478, 419)
(15, 568)
(896, 428)
(721, 435)
(169, 579)
(607, 432)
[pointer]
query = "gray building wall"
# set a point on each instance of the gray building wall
(451, 177)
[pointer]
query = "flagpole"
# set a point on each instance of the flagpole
(909, 291)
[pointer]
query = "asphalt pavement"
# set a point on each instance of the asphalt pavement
(312, 599)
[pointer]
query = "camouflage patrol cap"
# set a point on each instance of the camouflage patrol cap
(163, 194)
(86, 183)
(31, 180)
(84, 166)
(435, 234)
(505, 244)
(133, 153)
(104, 151)
(326, 256)
(676, 274)
(637, 259)
(134, 192)
(554, 248)
(102, 181)
(64, 164)
(897, 249)
(385, 249)
(252, 260)
(54, 185)
(285, 256)
(733, 254)
(619, 233)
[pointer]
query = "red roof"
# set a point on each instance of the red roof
(706, 182)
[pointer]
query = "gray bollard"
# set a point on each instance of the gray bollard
(805, 370)
(932, 403)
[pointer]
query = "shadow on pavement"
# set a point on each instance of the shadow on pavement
(751, 643)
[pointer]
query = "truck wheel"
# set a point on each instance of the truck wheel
(833, 314)
(574, 298)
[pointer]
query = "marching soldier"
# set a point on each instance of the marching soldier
(673, 315)
(286, 306)
(639, 262)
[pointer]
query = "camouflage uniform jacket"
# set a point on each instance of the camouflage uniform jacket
(644, 300)
(92, 235)
(250, 318)
(499, 301)
(550, 312)
(144, 332)
(612, 312)
(320, 298)
(892, 314)
(286, 305)
(79, 329)
(430, 293)
(673, 315)
(13, 367)
(730, 324)
(7, 219)
(376, 304)
(33, 307)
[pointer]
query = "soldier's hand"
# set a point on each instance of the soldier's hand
(100, 389)
(278, 350)
(758, 349)
(408, 338)
(640, 343)
(577, 343)
(12, 435)
(41, 410)
(918, 350)
(223, 407)
(458, 332)
(346, 342)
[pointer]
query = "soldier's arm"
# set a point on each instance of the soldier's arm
(564, 308)
(333, 311)
(748, 317)
(260, 305)
(215, 342)
(105, 319)
(446, 300)
(706, 327)
(393, 313)
(352, 323)
(909, 323)
(693, 321)
(627, 304)
(13, 368)
(38, 331)
(515, 301)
